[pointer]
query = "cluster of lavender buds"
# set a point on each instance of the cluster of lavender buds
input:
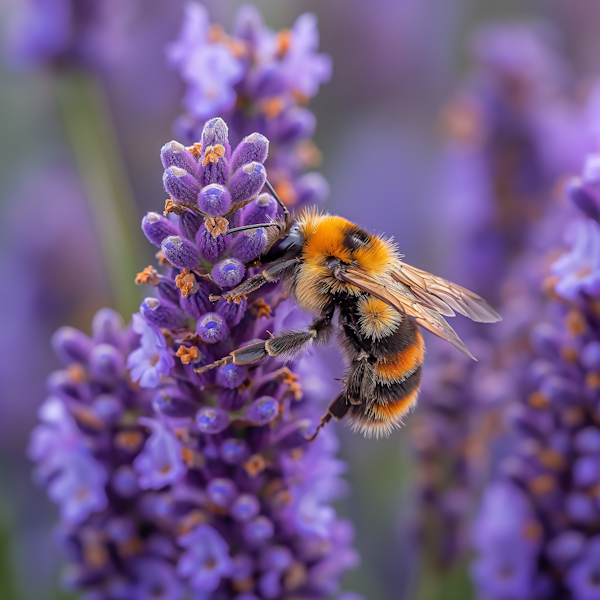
(69, 32)
(536, 533)
(258, 80)
(173, 484)
(499, 177)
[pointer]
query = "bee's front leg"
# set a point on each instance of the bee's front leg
(286, 345)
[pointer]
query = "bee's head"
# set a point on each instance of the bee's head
(290, 243)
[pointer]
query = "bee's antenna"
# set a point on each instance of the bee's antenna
(255, 226)
(286, 212)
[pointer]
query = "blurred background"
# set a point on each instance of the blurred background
(399, 147)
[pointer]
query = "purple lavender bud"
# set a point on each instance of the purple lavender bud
(71, 345)
(247, 182)
(174, 154)
(221, 492)
(162, 314)
(180, 252)
(124, 482)
(558, 389)
(231, 376)
(108, 408)
(250, 244)
(62, 383)
(231, 399)
(586, 471)
(106, 363)
(565, 548)
(210, 247)
(253, 148)
(215, 200)
(212, 420)
(232, 312)
(172, 402)
(263, 410)
(297, 124)
(214, 132)
(547, 340)
(167, 290)
(580, 508)
(590, 356)
(258, 531)
(181, 185)
(587, 441)
(269, 584)
(107, 328)
(197, 304)
(261, 210)
(156, 228)
(233, 451)
(189, 223)
(268, 82)
(585, 193)
(311, 188)
(245, 508)
(212, 328)
(228, 272)
(277, 558)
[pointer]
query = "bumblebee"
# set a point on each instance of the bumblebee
(330, 266)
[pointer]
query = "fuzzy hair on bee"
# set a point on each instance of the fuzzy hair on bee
(357, 283)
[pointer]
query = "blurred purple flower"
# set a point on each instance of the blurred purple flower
(69, 32)
(579, 270)
(151, 359)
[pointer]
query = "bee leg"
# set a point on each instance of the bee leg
(337, 410)
(272, 273)
(287, 345)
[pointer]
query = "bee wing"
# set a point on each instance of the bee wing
(408, 295)
(442, 295)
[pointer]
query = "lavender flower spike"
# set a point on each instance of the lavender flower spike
(178, 484)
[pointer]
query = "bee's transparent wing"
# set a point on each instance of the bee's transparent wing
(424, 297)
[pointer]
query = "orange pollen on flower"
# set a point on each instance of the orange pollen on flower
(95, 555)
(283, 41)
(583, 272)
(295, 577)
(153, 360)
(77, 373)
(216, 226)
(551, 459)
(261, 309)
(210, 564)
(548, 286)
(542, 484)
(196, 149)
(82, 493)
(188, 355)
(592, 380)
(186, 282)
(575, 322)
(573, 416)
(161, 258)
(172, 207)
(149, 276)
(216, 33)
(272, 107)
(460, 120)
(569, 354)
(242, 585)
(130, 547)
(212, 154)
(532, 531)
(308, 154)
(190, 521)
(537, 400)
(296, 453)
(129, 440)
(165, 468)
(300, 98)
(255, 465)
(85, 416)
(286, 192)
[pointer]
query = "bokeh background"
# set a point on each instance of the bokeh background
(397, 65)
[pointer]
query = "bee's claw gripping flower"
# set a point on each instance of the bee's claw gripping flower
(177, 484)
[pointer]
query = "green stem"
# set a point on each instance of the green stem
(89, 128)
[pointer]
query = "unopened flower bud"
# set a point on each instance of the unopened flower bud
(263, 410)
(245, 508)
(253, 148)
(106, 363)
(180, 252)
(221, 491)
(174, 154)
(212, 328)
(247, 182)
(214, 199)
(181, 185)
(162, 314)
(231, 376)
(261, 210)
(156, 228)
(71, 345)
(212, 420)
(249, 244)
(228, 272)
